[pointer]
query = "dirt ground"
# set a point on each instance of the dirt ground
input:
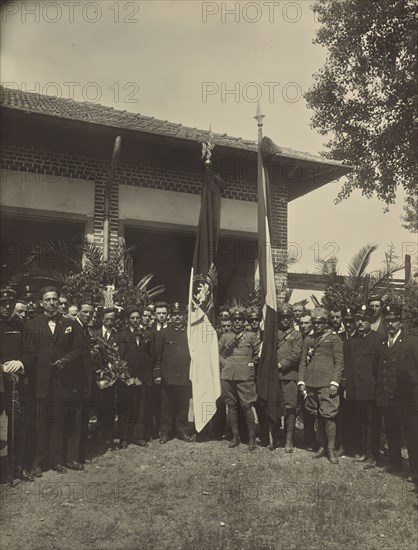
(207, 496)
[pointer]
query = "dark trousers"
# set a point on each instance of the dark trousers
(364, 424)
(131, 412)
(58, 424)
(402, 415)
(88, 408)
(106, 417)
(23, 414)
(175, 409)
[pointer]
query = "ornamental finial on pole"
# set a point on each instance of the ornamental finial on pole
(207, 148)
(259, 118)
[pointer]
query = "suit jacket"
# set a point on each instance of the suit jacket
(289, 349)
(235, 356)
(84, 366)
(327, 362)
(360, 366)
(42, 349)
(138, 355)
(397, 376)
(172, 356)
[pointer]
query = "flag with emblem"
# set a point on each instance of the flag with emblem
(268, 388)
(202, 336)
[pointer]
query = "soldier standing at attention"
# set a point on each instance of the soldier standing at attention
(238, 352)
(320, 371)
(289, 349)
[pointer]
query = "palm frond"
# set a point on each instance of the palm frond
(383, 276)
(43, 254)
(143, 283)
(358, 264)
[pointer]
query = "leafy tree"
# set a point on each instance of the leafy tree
(365, 95)
(410, 216)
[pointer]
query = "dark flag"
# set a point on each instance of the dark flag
(202, 336)
(268, 387)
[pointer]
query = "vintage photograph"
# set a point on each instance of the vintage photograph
(209, 275)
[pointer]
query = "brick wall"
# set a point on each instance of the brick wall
(158, 172)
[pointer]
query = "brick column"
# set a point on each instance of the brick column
(278, 224)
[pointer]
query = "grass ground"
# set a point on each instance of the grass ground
(206, 496)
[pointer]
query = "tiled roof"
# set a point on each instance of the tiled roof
(95, 113)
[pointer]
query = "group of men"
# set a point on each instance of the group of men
(346, 370)
(353, 372)
(50, 390)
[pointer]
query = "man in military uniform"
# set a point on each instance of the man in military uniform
(320, 371)
(171, 370)
(349, 323)
(30, 298)
(360, 371)
(238, 351)
(305, 327)
(254, 319)
(289, 349)
(14, 375)
(397, 389)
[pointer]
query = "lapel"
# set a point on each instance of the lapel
(396, 346)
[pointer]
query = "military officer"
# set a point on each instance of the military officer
(289, 349)
(320, 371)
(348, 322)
(238, 351)
(11, 351)
(254, 319)
(30, 298)
(396, 388)
(360, 371)
(305, 326)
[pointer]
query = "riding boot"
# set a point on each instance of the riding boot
(290, 423)
(322, 438)
(249, 417)
(331, 430)
(233, 425)
(309, 430)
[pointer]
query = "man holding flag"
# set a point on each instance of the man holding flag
(268, 387)
(202, 336)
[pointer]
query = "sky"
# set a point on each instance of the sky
(200, 64)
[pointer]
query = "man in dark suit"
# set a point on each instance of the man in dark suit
(396, 389)
(289, 349)
(172, 372)
(360, 372)
(52, 349)
(84, 383)
(320, 371)
(134, 343)
(106, 396)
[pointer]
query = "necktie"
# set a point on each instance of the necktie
(391, 341)
(52, 324)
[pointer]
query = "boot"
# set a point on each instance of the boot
(249, 417)
(290, 423)
(331, 430)
(233, 425)
(309, 430)
(322, 438)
